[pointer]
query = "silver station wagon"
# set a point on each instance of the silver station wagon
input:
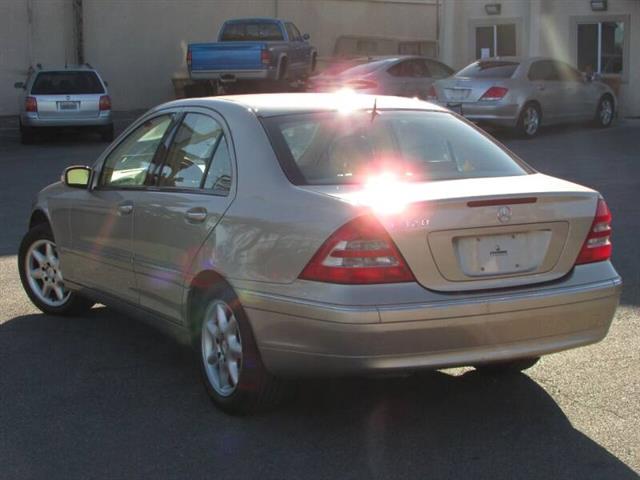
(289, 235)
(73, 96)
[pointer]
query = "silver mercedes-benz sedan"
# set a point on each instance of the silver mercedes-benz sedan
(289, 235)
(525, 93)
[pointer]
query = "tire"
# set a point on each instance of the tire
(106, 133)
(605, 112)
(283, 74)
(41, 238)
(529, 121)
(27, 135)
(510, 366)
(254, 389)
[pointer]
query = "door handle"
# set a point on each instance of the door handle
(196, 215)
(125, 208)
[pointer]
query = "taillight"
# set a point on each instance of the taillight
(30, 104)
(189, 59)
(359, 252)
(265, 57)
(361, 84)
(597, 246)
(494, 93)
(432, 95)
(105, 103)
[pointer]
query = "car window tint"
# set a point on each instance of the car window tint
(438, 70)
(219, 174)
(401, 69)
(251, 31)
(543, 70)
(190, 152)
(568, 73)
(127, 165)
(67, 83)
(489, 69)
(293, 33)
(329, 149)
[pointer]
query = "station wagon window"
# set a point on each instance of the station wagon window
(67, 83)
(128, 163)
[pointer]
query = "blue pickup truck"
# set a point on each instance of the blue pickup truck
(251, 49)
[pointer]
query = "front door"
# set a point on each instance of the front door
(173, 219)
(101, 218)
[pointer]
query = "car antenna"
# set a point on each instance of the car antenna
(374, 111)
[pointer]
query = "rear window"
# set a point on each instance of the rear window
(492, 69)
(330, 148)
(67, 83)
(366, 68)
(251, 31)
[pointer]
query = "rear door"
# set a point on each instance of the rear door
(578, 98)
(101, 219)
(192, 190)
(548, 89)
(68, 94)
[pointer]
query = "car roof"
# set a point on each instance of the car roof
(272, 104)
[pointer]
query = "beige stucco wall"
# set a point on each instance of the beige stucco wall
(31, 31)
(545, 27)
(140, 45)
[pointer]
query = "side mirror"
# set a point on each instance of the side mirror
(18, 85)
(77, 176)
(306, 36)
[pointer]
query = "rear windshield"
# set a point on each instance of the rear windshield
(493, 69)
(66, 83)
(366, 68)
(331, 148)
(251, 31)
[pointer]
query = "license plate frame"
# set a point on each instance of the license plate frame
(68, 106)
(502, 254)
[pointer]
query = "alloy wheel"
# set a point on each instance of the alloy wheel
(221, 348)
(531, 120)
(42, 268)
(606, 111)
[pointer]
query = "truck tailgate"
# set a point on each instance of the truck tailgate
(226, 56)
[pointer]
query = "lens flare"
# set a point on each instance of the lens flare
(384, 193)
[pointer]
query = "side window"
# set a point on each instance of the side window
(543, 70)
(219, 174)
(400, 69)
(190, 152)
(438, 70)
(292, 33)
(568, 73)
(420, 68)
(127, 165)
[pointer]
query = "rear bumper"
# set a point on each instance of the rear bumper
(33, 120)
(494, 113)
(233, 75)
(299, 338)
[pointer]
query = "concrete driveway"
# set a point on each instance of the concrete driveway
(105, 397)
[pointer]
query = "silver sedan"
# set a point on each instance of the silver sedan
(525, 93)
(403, 75)
(291, 235)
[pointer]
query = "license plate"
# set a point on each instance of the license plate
(68, 105)
(502, 254)
(457, 94)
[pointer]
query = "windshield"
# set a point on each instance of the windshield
(332, 148)
(491, 69)
(67, 83)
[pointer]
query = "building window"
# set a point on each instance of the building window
(600, 47)
(496, 40)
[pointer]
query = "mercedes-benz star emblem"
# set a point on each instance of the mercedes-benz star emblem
(504, 214)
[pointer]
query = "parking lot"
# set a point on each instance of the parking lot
(105, 397)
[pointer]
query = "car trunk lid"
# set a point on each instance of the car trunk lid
(68, 106)
(462, 235)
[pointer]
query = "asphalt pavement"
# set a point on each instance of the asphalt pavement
(105, 397)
